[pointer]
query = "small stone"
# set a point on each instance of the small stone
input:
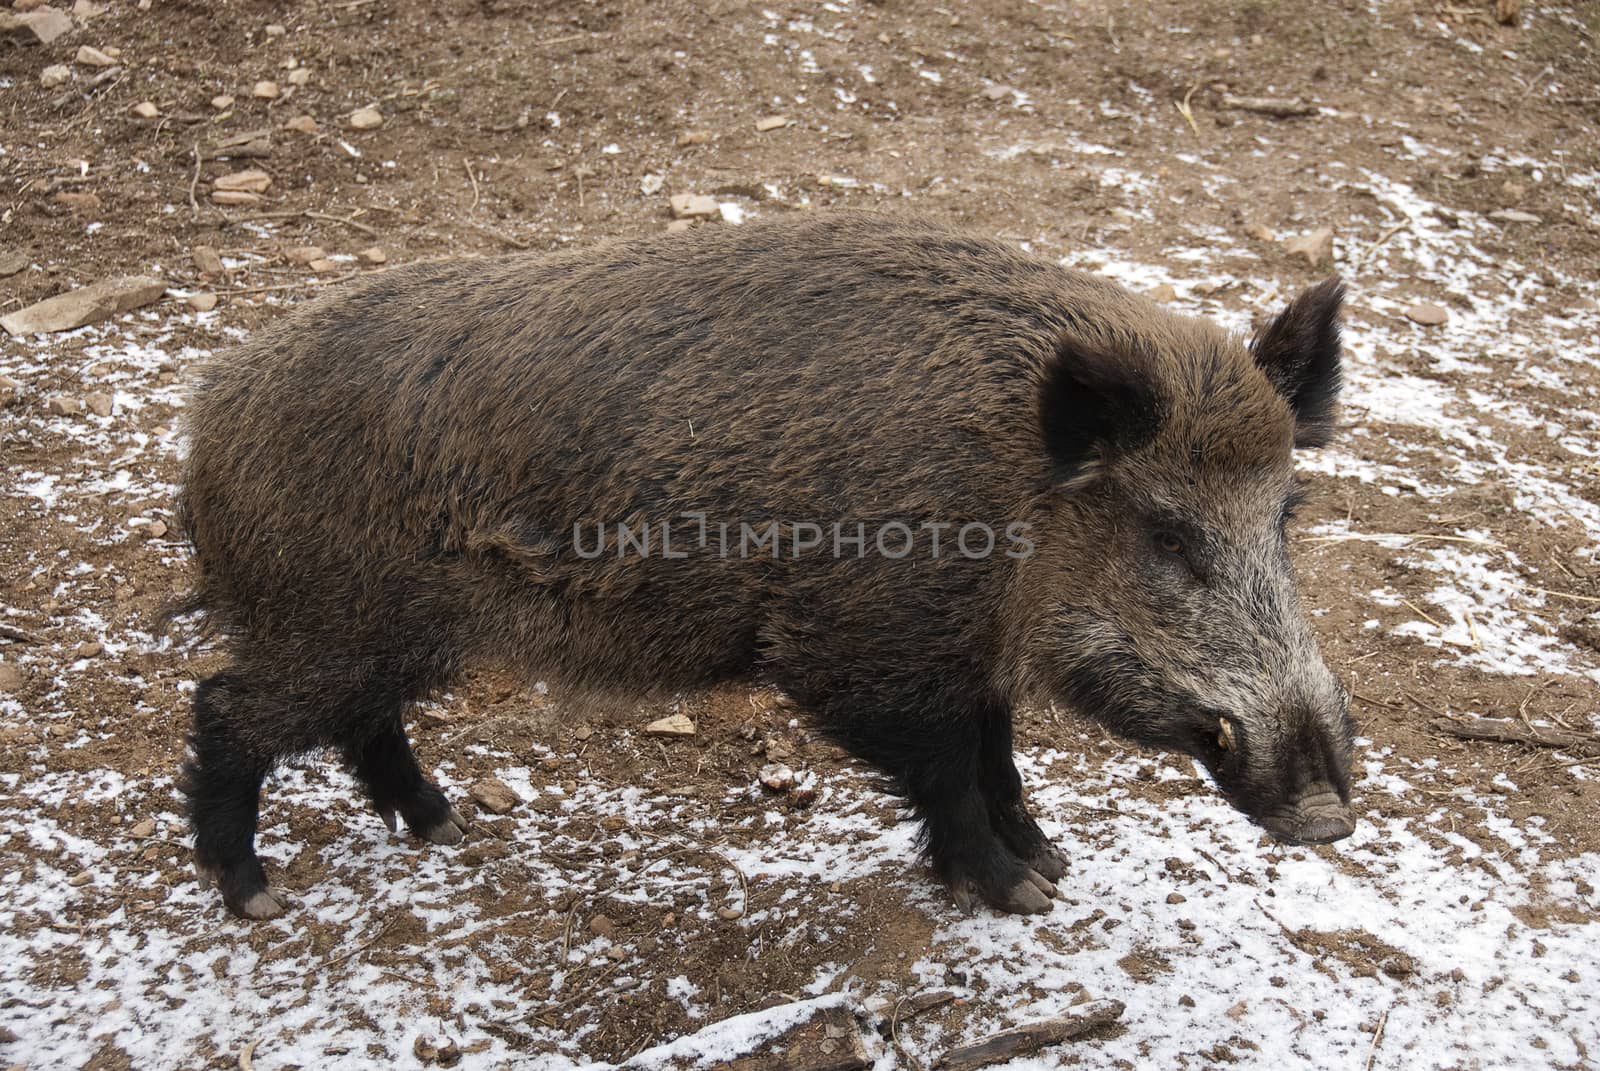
(143, 828)
(602, 926)
(674, 725)
(694, 137)
(694, 206)
(1514, 215)
(54, 75)
(61, 405)
(88, 649)
(612, 823)
(366, 118)
(303, 123)
(729, 913)
(449, 1054)
(234, 197)
(804, 794)
(252, 180)
(156, 529)
(208, 262)
(322, 265)
(582, 733)
(265, 90)
(373, 255)
(300, 76)
(40, 27)
(80, 879)
(89, 56)
(1426, 314)
(1512, 191)
(494, 796)
(651, 184)
(303, 254)
(1313, 248)
(772, 122)
(276, 29)
(11, 678)
(87, 305)
(678, 226)
(99, 403)
(222, 102)
(1261, 232)
(146, 110)
(616, 953)
(425, 1049)
(13, 261)
(79, 203)
(777, 777)
(204, 301)
(1162, 292)
(1186, 1001)
(997, 92)
(1176, 898)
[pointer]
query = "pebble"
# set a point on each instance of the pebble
(99, 403)
(1514, 215)
(694, 137)
(674, 725)
(772, 122)
(366, 118)
(300, 76)
(602, 926)
(234, 197)
(322, 265)
(373, 255)
(303, 254)
(11, 678)
(54, 75)
(777, 777)
(80, 879)
(45, 26)
(997, 92)
(89, 56)
(651, 184)
(204, 301)
(1162, 292)
(88, 649)
(208, 262)
(156, 529)
(61, 405)
(303, 123)
(1426, 314)
(222, 103)
(252, 180)
(1176, 898)
(494, 796)
(265, 89)
(276, 29)
(146, 110)
(143, 829)
(694, 206)
(1261, 232)
(1313, 248)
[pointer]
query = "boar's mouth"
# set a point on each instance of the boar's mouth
(1317, 816)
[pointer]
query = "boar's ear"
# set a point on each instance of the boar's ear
(1093, 404)
(1299, 352)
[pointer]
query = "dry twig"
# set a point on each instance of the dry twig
(1022, 1040)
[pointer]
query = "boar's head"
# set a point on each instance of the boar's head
(1171, 614)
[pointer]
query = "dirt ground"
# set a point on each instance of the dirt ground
(645, 887)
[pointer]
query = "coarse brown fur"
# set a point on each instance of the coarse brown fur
(410, 477)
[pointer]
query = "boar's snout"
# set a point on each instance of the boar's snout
(1317, 816)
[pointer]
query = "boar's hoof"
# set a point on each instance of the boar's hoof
(262, 904)
(1031, 895)
(452, 830)
(1048, 862)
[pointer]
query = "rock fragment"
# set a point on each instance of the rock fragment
(1162, 292)
(693, 137)
(265, 90)
(777, 777)
(494, 796)
(302, 123)
(222, 102)
(1314, 248)
(373, 255)
(208, 262)
(13, 261)
(89, 56)
(303, 254)
(61, 405)
(11, 678)
(674, 725)
(37, 27)
(146, 109)
(1426, 313)
(87, 305)
(694, 206)
(54, 75)
(772, 122)
(252, 180)
(366, 119)
(99, 403)
(204, 301)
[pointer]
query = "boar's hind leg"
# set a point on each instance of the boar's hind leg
(394, 781)
(1008, 811)
(222, 780)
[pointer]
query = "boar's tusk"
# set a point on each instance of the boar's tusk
(1225, 738)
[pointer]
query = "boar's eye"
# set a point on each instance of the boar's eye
(1171, 543)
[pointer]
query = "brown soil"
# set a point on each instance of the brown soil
(499, 118)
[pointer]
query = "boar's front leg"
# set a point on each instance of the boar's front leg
(953, 763)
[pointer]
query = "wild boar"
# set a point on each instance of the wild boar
(914, 478)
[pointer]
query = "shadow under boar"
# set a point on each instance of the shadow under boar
(453, 462)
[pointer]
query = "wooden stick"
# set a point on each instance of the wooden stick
(1508, 731)
(1022, 1040)
(1280, 107)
